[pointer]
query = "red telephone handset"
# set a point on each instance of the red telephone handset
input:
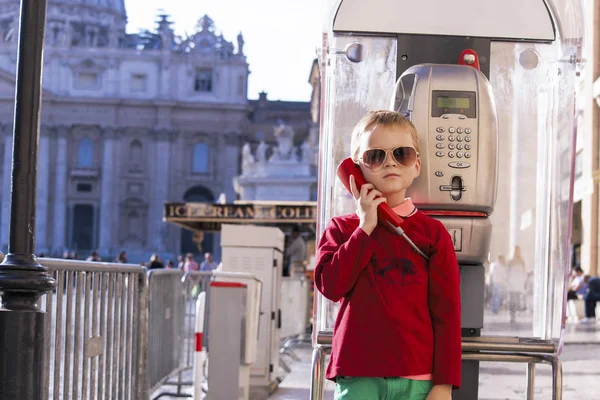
(384, 212)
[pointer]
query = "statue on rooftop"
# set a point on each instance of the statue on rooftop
(285, 140)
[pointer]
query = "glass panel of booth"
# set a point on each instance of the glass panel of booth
(534, 92)
(371, 83)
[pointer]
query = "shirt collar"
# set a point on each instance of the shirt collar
(405, 209)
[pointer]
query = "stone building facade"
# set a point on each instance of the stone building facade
(129, 122)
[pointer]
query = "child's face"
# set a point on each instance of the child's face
(391, 177)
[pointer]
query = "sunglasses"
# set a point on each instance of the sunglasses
(374, 158)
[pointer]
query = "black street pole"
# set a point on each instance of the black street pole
(22, 279)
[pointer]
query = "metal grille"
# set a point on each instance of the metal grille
(96, 331)
(165, 322)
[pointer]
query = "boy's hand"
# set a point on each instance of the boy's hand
(366, 204)
(440, 392)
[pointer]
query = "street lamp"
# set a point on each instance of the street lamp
(23, 281)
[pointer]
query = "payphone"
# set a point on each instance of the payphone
(453, 109)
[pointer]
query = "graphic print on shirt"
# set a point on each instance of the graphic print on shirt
(395, 270)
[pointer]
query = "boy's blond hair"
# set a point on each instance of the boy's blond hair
(383, 118)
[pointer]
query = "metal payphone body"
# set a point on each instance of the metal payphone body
(453, 109)
(384, 54)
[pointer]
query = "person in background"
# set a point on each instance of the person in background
(577, 285)
(170, 264)
(529, 289)
(122, 258)
(592, 297)
(296, 253)
(515, 283)
(498, 278)
(155, 262)
(190, 264)
(93, 257)
(180, 262)
(208, 264)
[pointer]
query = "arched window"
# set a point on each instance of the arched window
(203, 195)
(85, 153)
(200, 158)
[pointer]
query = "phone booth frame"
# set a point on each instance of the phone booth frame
(539, 50)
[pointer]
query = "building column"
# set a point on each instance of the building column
(157, 229)
(6, 187)
(107, 192)
(231, 165)
(60, 191)
(41, 221)
(96, 224)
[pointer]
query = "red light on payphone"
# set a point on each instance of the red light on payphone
(469, 57)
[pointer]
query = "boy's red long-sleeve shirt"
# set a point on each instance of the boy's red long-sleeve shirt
(399, 314)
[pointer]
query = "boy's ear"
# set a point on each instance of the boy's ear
(418, 166)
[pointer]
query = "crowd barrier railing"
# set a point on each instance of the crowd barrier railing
(118, 331)
(165, 325)
(191, 284)
(96, 327)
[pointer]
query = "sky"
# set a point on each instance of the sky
(281, 36)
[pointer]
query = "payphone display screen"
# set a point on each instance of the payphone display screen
(453, 102)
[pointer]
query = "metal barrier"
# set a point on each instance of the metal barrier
(485, 349)
(191, 284)
(116, 331)
(165, 325)
(96, 331)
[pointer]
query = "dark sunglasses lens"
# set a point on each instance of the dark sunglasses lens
(374, 157)
(405, 155)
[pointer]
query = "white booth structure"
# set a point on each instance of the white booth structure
(507, 73)
(232, 336)
(258, 250)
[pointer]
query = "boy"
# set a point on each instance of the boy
(397, 334)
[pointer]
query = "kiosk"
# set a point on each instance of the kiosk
(491, 90)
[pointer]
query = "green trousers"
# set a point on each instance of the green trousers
(359, 388)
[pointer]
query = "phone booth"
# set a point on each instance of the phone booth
(491, 90)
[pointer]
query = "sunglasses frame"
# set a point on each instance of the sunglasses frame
(387, 152)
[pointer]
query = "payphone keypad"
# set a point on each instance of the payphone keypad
(458, 140)
(458, 136)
